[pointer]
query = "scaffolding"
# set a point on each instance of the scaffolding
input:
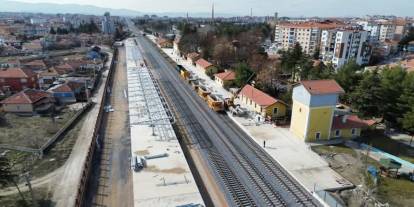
(147, 106)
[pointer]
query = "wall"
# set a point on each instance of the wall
(298, 124)
(20, 108)
(281, 110)
(346, 133)
(320, 120)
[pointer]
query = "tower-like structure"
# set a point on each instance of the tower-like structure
(314, 103)
(108, 26)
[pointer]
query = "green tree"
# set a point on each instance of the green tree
(52, 30)
(348, 78)
(7, 176)
(243, 73)
(407, 103)
(392, 86)
(321, 71)
(291, 58)
(367, 98)
(408, 38)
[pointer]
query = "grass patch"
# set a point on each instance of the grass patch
(397, 192)
(52, 159)
(42, 196)
(31, 131)
(380, 141)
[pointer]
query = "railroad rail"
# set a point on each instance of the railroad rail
(250, 175)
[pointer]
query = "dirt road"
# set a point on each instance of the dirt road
(113, 180)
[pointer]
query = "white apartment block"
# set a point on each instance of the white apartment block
(307, 34)
(373, 28)
(338, 46)
(387, 31)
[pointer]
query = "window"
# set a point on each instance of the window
(2, 80)
(300, 109)
(275, 110)
(318, 135)
(337, 133)
(23, 80)
(353, 131)
(251, 102)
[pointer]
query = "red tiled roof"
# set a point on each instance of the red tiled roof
(258, 96)
(15, 73)
(63, 69)
(193, 55)
(228, 75)
(27, 96)
(203, 63)
(321, 25)
(318, 87)
(36, 63)
(61, 88)
(351, 121)
(75, 85)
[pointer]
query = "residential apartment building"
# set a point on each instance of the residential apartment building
(108, 26)
(338, 46)
(373, 28)
(307, 34)
(387, 31)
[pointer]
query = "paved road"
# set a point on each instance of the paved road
(248, 176)
(112, 184)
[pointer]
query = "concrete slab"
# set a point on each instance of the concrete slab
(166, 180)
(294, 155)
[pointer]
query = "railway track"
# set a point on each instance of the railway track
(270, 196)
(259, 180)
(239, 194)
(283, 179)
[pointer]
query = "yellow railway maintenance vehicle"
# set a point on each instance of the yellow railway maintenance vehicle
(203, 92)
(194, 84)
(215, 103)
(185, 74)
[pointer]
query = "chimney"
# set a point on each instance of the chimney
(344, 118)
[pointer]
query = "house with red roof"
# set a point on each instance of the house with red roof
(226, 78)
(206, 66)
(64, 69)
(164, 43)
(17, 79)
(314, 114)
(262, 103)
(63, 94)
(193, 57)
(349, 126)
(28, 101)
(35, 65)
(47, 77)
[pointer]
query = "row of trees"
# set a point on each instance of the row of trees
(387, 94)
(88, 27)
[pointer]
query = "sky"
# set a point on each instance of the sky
(296, 8)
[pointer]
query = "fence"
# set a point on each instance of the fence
(328, 199)
(86, 169)
(40, 151)
(387, 155)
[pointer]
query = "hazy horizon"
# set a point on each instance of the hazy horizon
(323, 8)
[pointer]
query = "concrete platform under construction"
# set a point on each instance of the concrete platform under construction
(166, 179)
